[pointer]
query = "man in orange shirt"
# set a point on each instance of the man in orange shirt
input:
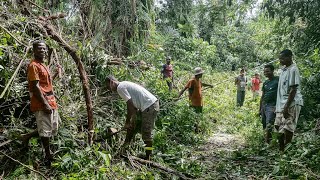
(194, 87)
(43, 102)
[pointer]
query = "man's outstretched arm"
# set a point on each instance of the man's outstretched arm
(182, 91)
(207, 85)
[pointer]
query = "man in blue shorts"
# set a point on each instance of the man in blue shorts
(268, 101)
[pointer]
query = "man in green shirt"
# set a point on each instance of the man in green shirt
(268, 101)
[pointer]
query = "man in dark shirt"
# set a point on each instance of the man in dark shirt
(241, 83)
(167, 73)
(268, 101)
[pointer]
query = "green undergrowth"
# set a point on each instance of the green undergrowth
(175, 140)
(174, 135)
(233, 41)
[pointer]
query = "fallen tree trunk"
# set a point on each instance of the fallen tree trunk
(158, 166)
(31, 169)
(83, 75)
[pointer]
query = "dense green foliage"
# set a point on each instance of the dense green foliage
(211, 34)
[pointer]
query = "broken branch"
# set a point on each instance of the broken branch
(15, 73)
(158, 166)
(13, 36)
(24, 165)
(6, 142)
(46, 10)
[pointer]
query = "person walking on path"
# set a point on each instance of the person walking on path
(43, 102)
(241, 82)
(289, 99)
(138, 100)
(233, 67)
(268, 101)
(255, 86)
(167, 73)
(194, 87)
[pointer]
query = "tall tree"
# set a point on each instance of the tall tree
(303, 15)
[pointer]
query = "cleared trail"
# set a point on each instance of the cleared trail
(221, 153)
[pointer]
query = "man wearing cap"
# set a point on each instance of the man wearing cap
(139, 100)
(289, 99)
(167, 73)
(194, 87)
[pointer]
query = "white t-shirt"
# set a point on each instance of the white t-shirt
(141, 97)
(289, 76)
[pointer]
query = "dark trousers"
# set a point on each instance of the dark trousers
(169, 83)
(240, 97)
(268, 115)
(197, 109)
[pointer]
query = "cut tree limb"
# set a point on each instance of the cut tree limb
(2, 175)
(15, 72)
(83, 75)
(13, 36)
(31, 169)
(46, 10)
(114, 63)
(5, 143)
(57, 62)
(158, 166)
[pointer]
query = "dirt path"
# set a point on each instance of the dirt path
(216, 155)
(224, 142)
(220, 143)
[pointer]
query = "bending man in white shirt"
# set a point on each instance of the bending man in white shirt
(139, 100)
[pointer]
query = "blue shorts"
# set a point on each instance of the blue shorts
(268, 115)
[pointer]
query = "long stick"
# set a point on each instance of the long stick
(156, 165)
(15, 73)
(13, 36)
(308, 170)
(24, 165)
(57, 62)
(46, 10)
(228, 79)
(216, 84)
(4, 143)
